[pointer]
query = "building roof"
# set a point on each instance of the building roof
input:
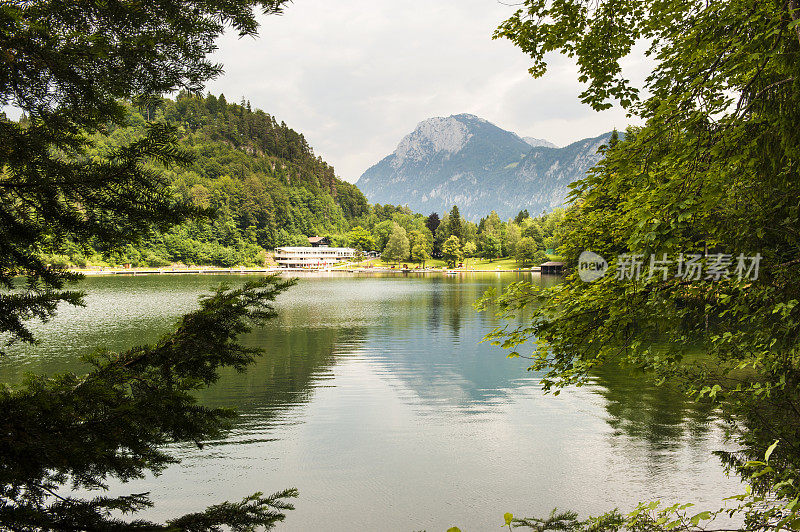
(316, 239)
(295, 249)
(552, 263)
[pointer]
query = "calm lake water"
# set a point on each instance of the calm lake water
(376, 400)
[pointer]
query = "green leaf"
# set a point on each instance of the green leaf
(702, 516)
(769, 451)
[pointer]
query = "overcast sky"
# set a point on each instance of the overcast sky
(355, 76)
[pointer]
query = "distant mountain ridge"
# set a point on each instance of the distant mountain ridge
(467, 161)
(535, 143)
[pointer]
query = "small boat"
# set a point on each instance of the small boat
(451, 272)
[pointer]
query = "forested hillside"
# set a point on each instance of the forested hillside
(259, 177)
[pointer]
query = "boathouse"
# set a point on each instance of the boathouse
(552, 268)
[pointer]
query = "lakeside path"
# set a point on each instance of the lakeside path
(240, 271)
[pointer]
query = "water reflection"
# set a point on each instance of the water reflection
(375, 398)
(659, 415)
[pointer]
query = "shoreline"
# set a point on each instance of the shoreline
(244, 271)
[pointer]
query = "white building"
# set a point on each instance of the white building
(309, 257)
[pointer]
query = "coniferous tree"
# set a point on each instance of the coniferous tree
(521, 215)
(432, 222)
(455, 224)
(441, 235)
(69, 66)
(72, 63)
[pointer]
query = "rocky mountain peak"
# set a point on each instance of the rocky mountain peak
(433, 135)
(467, 161)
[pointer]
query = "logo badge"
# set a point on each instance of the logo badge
(591, 266)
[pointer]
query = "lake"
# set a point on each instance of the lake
(376, 399)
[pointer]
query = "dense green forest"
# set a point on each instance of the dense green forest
(259, 178)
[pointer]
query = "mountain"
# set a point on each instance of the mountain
(467, 161)
(535, 143)
(540, 182)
